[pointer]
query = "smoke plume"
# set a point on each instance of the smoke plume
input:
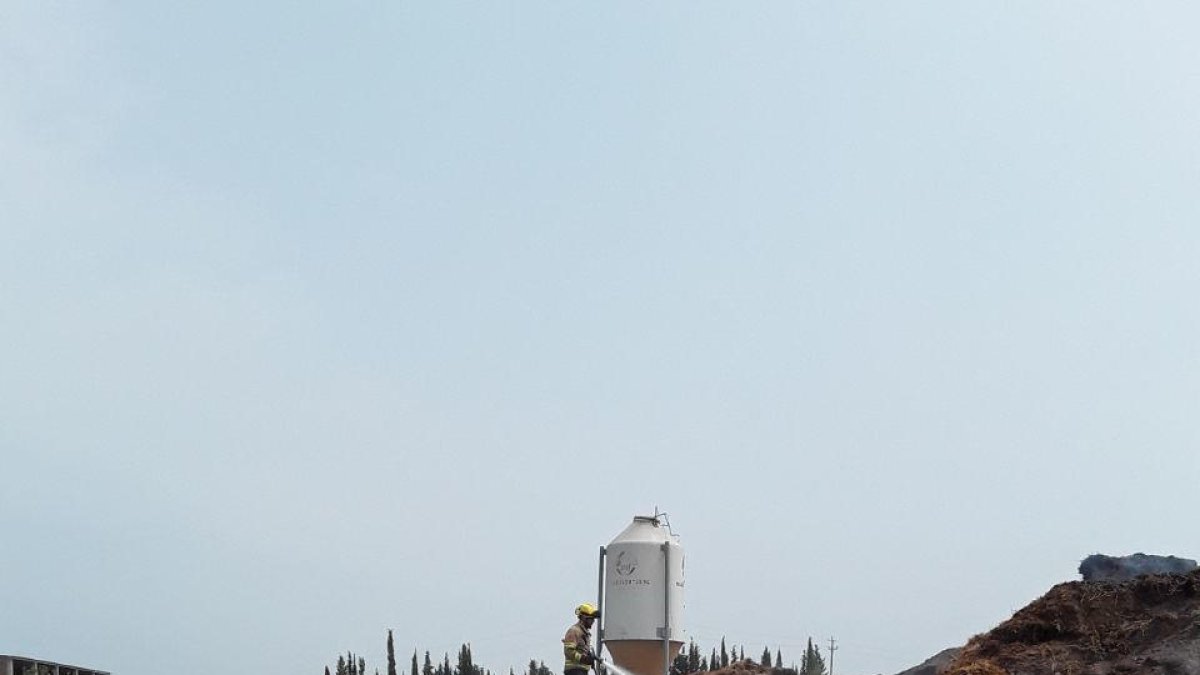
(1097, 567)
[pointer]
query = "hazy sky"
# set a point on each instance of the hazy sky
(319, 319)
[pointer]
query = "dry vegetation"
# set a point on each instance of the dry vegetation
(1149, 625)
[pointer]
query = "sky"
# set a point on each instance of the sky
(323, 319)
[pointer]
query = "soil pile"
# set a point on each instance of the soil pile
(747, 667)
(934, 664)
(1149, 625)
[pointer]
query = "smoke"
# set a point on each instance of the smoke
(1097, 567)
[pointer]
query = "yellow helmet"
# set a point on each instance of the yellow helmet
(587, 611)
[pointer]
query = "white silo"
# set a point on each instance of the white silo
(642, 601)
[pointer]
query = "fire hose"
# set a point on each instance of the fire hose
(601, 664)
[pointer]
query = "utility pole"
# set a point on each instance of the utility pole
(832, 648)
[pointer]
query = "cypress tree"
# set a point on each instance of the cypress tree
(766, 657)
(812, 663)
(466, 665)
(391, 654)
(693, 660)
(428, 669)
(724, 654)
(414, 664)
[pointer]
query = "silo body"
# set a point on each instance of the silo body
(643, 597)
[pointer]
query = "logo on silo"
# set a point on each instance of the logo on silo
(626, 563)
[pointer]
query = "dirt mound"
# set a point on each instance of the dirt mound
(746, 667)
(934, 664)
(1148, 625)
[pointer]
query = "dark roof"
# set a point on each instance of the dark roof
(8, 657)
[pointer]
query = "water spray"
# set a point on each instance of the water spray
(611, 668)
(607, 668)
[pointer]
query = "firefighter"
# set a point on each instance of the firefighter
(577, 643)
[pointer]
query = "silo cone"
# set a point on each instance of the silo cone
(643, 597)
